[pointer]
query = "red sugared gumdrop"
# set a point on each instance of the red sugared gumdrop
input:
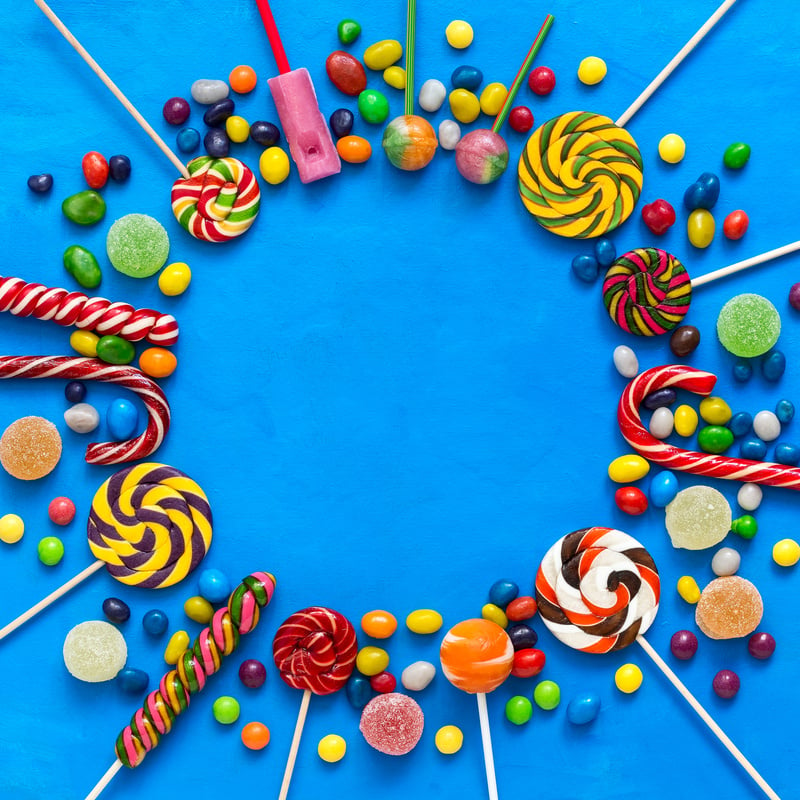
(392, 723)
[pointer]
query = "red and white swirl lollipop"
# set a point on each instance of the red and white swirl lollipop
(597, 590)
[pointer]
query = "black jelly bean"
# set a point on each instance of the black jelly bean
(218, 113)
(265, 133)
(116, 610)
(217, 143)
(40, 183)
(341, 122)
(119, 168)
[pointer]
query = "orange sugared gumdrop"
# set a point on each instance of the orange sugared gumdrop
(30, 448)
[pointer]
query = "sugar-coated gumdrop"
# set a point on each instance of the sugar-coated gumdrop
(748, 325)
(137, 245)
(94, 651)
(30, 448)
(698, 517)
(392, 723)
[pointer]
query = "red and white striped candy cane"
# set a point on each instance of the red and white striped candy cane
(151, 394)
(677, 376)
(88, 313)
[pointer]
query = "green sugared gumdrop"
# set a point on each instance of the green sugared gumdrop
(137, 245)
(748, 325)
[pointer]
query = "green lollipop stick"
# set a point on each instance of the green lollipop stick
(411, 34)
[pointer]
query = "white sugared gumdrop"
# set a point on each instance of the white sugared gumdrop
(415, 677)
(749, 496)
(449, 134)
(766, 426)
(662, 422)
(626, 362)
(697, 518)
(726, 561)
(95, 651)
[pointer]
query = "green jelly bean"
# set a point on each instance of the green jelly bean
(115, 350)
(83, 266)
(373, 106)
(745, 526)
(714, 439)
(736, 155)
(85, 207)
(348, 31)
(519, 710)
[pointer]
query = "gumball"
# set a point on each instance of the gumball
(542, 80)
(255, 736)
(449, 739)
(520, 118)
(683, 645)
(761, 645)
(61, 510)
(331, 748)
(252, 673)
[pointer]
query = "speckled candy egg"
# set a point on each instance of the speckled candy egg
(481, 156)
(409, 142)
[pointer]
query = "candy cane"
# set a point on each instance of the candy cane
(151, 394)
(666, 455)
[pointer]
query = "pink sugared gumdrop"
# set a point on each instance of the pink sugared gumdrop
(481, 156)
(392, 723)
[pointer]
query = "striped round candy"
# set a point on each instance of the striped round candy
(151, 525)
(315, 649)
(477, 655)
(218, 201)
(647, 291)
(597, 589)
(580, 175)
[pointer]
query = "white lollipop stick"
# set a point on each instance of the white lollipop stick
(707, 718)
(105, 780)
(298, 732)
(486, 739)
(679, 56)
(748, 262)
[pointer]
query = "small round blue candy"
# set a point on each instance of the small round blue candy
(663, 488)
(216, 143)
(214, 585)
(586, 268)
(741, 423)
(341, 122)
(784, 411)
(502, 592)
(754, 449)
(119, 168)
(466, 77)
(132, 680)
(742, 371)
(773, 365)
(265, 133)
(116, 610)
(605, 252)
(40, 183)
(188, 140)
(522, 636)
(75, 391)
(122, 418)
(787, 453)
(582, 710)
(155, 622)
(358, 691)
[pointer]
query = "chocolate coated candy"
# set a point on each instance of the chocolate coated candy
(684, 340)
(346, 73)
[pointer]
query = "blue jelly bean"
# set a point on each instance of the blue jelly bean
(502, 592)
(586, 268)
(265, 133)
(663, 488)
(703, 193)
(786, 453)
(188, 140)
(581, 710)
(132, 680)
(605, 252)
(358, 691)
(122, 418)
(784, 411)
(660, 398)
(218, 112)
(40, 183)
(119, 168)
(773, 365)
(742, 371)
(754, 449)
(214, 585)
(216, 143)
(341, 122)
(155, 622)
(741, 423)
(522, 636)
(116, 610)
(465, 77)
(75, 391)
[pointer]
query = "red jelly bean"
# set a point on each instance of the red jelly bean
(659, 216)
(631, 500)
(521, 608)
(527, 662)
(346, 73)
(542, 80)
(383, 682)
(735, 225)
(95, 169)
(520, 119)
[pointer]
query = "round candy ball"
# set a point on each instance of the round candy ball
(409, 142)
(75, 391)
(628, 678)
(214, 585)
(786, 552)
(683, 645)
(226, 710)
(547, 695)
(61, 510)
(726, 684)
(137, 245)
(477, 655)
(94, 651)
(155, 622)
(671, 148)
(761, 645)
(459, 34)
(50, 550)
(748, 325)
(392, 723)
(519, 709)
(592, 70)
(520, 119)
(252, 673)
(481, 156)
(176, 110)
(449, 739)
(542, 80)
(12, 528)
(255, 736)
(188, 140)
(331, 748)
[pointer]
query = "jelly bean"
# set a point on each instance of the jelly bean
(265, 133)
(348, 30)
(41, 183)
(494, 613)
(217, 143)
(582, 710)
(354, 149)
(237, 128)
(662, 423)
(585, 267)
(773, 365)
(252, 673)
(432, 95)
(784, 411)
(726, 561)
(663, 488)
(449, 739)
(424, 620)
(519, 710)
(492, 98)
(379, 624)
(659, 216)
(726, 684)
(745, 526)
(521, 608)
(188, 140)
(417, 676)
(178, 642)
(255, 736)
(786, 552)
(119, 168)
(660, 397)
(761, 645)
(741, 423)
(243, 79)
(605, 252)
(198, 609)
(116, 610)
(158, 362)
(625, 361)
(82, 418)
(628, 678)
(735, 225)
(155, 622)
(547, 695)
(176, 110)
(714, 439)
(464, 105)
(83, 266)
(449, 134)
(122, 419)
(373, 106)
(226, 710)
(274, 165)
(520, 119)
(631, 500)
(527, 662)
(466, 77)
(522, 636)
(214, 585)
(592, 70)
(341, 122)
(502, 592)
(331, 748)
(383, 682)
(175, 279)
(688, 589)
(218, 112)
(715, 411)
(671, 148)
(132, 680)
(749, 496)
(684, 340)
(703, 193)
(61, 510)
(371, 660)
(50, 550)
(459, 34)
(786, 453)
(115, 350)
(84, 208)
(753, 449)
(346, 73)
(700, 228)
(395, 77)
(736, 155)
(207, 91)
(383, 54)
(766, 426)
(95, 169)
(794, 296)
(742, 371)
(628, 468)
(358, 691)
(683, 645)
(542, 80)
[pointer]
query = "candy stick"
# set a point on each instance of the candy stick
(746, 263)
(97, 69)
(486, 742)
(411, 38)
(679, 56)
(155, 718)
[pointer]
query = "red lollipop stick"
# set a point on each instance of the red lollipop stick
(314, 650)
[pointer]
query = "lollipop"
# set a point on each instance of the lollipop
(162, 706)
(477, 656)
(597, 590)
(150, 525)
(314, 650)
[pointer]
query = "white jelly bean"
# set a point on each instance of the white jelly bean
(415, 677)
(726, 561)
(749, 496)
(432, 95)
(82, 418)
(662, 422)
(449, 134)
(626, 362)
(766, 426)
(208, 91)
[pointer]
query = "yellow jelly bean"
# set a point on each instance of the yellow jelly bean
(371, 660)
(492, 98)
(628, 468)
(198, 609)
(592, 70)
(424, 620)
(496, 614)
(84, 342)
(715, 411)
(449, 739)
(179, 641)
(274, 165)
(175, 279)
(628, 678)
(459, 34)
(237, 128)
(395, 77)
(685, 420)
(464, 105)
(700, 227)
(672, 148)
(331, 748)
(688, 589)
(383, 54)
(786, 553)
(11, 528)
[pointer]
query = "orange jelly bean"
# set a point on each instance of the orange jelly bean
(242, 79)
(354, 149)
(379, 624)
(158, 362)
